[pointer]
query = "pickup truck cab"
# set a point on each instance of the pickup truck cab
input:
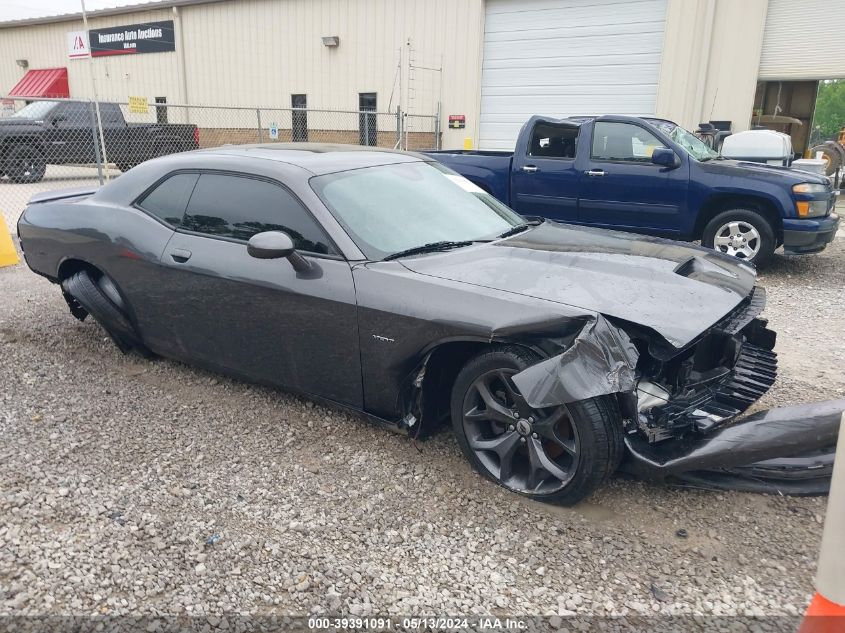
(652, 176)
(62, 132)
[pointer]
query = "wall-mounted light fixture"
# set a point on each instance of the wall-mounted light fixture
(23, 63)
(331, 40)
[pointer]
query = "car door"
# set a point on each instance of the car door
(620, 186)
(69, 133)
(119, 143)
(260, 318)
(544, 180)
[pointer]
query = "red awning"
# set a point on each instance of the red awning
(43, 82)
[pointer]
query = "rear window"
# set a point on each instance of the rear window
(167, 202)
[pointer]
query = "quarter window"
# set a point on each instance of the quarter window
(167, 201)
(623, 142)
(239, 207)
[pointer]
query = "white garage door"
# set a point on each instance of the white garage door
(803, 40)
(567, 57)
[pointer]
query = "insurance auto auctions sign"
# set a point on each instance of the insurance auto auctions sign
(149, 37)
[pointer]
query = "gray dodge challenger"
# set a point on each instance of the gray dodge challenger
(383, 282)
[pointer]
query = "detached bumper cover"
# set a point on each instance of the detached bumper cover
(809, 236)
(786, 450)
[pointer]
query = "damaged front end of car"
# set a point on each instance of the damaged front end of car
(680, 407)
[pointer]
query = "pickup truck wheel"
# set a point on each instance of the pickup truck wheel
(101, 299)
(25, 164)
(741, 233)
(558, 454)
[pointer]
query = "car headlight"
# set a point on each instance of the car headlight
(811, 208)
(808, 187)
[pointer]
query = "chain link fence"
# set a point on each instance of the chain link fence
(59, 144)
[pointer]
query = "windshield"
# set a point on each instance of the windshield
(392, 208)
(35, 110)
(694, 145)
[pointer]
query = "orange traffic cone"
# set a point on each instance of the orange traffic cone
(826, 613)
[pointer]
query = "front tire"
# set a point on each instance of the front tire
(558, 454)
(741, 233)
(25, 164)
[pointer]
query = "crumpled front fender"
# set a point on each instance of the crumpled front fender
(601, 360)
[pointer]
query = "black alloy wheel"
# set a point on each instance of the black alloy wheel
(559, 453)
(527, 450)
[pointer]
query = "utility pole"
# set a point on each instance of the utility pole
(94, 88)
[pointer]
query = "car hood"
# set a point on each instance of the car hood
(678, 290)
(784, 175)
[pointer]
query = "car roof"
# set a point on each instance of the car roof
(583, 118)
(319, 158)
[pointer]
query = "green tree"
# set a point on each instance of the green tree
(830, 107)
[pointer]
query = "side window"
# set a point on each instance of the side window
(623, 142)
(75, 114)
(167, 201)
(110, 113)
(240, 207)
(553, 141)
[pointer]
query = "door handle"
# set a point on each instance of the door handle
(180, 255)
(529, 169)
(595, 173)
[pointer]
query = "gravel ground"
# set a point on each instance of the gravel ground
(148, 487)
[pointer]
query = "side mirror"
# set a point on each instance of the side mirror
(664, 157)
(59, 119)
(276, 245)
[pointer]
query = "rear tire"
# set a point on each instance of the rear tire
(725, 233)
(25, 164)
(101, 299)
(557, 454)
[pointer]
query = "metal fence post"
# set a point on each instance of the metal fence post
(260, 129)
(96, 139)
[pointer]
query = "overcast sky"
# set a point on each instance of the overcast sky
(20, 9)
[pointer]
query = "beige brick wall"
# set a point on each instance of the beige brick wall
(214, 137)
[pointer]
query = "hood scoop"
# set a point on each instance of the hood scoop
(705, 270)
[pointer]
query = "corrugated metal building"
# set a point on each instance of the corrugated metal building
(495, 62)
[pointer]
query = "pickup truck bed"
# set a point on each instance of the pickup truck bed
(489, 169)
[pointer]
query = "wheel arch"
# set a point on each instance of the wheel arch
(717, 203)
(69, 266)
(11, 142)
(443, 361)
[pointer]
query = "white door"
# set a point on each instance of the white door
(567, 57)
(803, 40)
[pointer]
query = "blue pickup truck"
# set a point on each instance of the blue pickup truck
(653, 176)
